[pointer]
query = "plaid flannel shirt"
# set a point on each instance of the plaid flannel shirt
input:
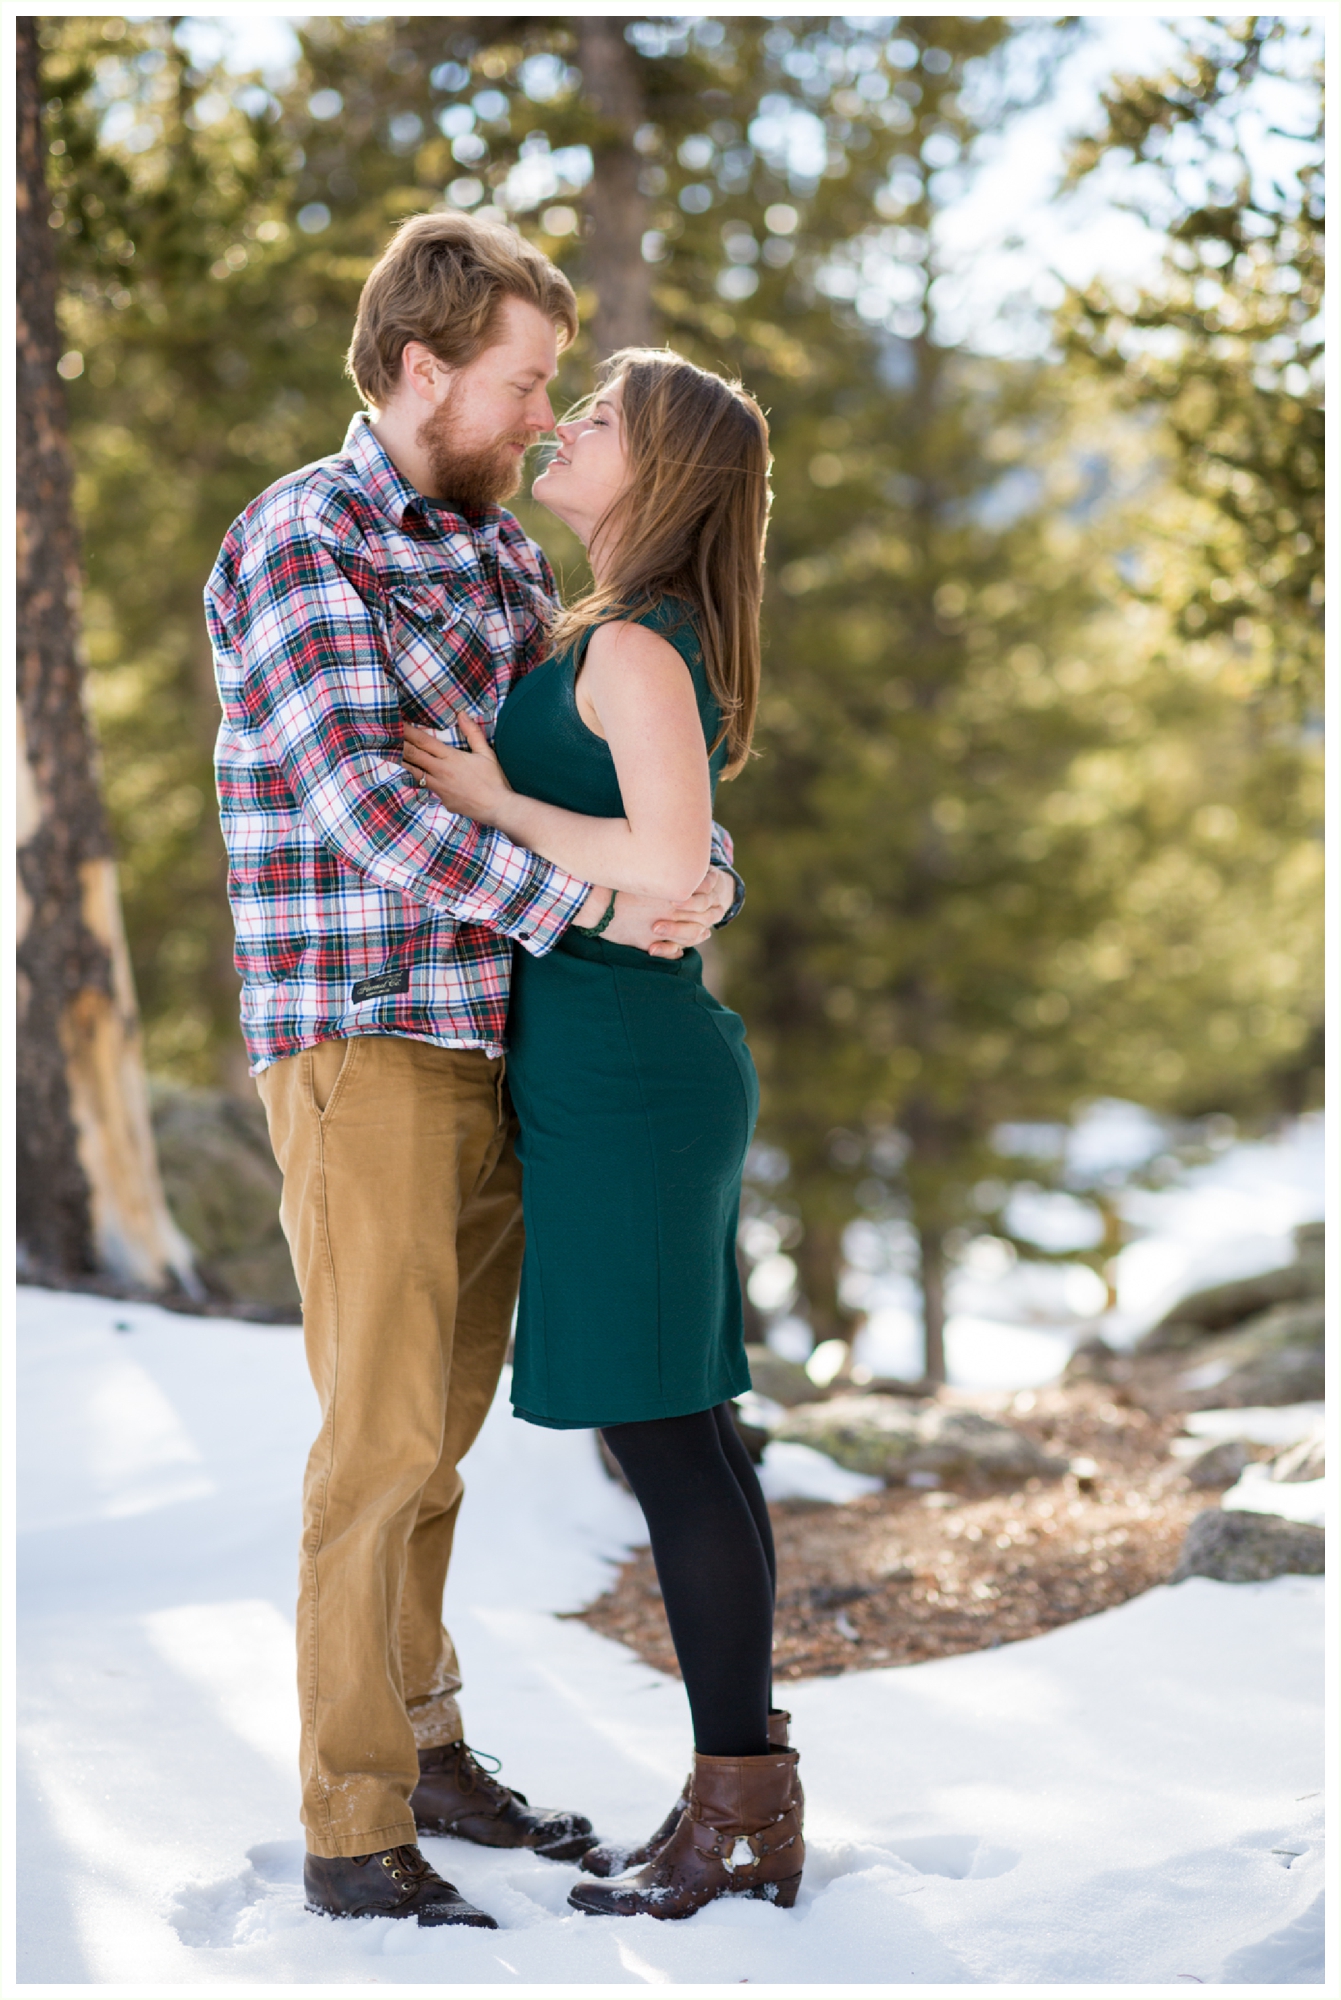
(343, 604)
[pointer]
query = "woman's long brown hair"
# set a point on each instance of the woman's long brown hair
(691, 520)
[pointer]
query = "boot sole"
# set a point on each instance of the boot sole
(567, 1850)
(479, 1920)
(782, 1894)
(570, 1849)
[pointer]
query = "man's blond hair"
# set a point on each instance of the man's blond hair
(442, 280)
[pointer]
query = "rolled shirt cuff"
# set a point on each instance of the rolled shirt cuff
(540, 919)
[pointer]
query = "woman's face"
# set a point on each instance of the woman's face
(590, 469)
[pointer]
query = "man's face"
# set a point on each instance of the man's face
(492, 411)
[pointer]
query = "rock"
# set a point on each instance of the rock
(1275, 1358)
(1222, 1306)
(894, 1385)
(1221, 1465)
(223, 1189)
(752, 1436)
(784, 1382)
(900, 1442)
(872, 1434)
(1282, 1326)
(1310, 1242)
(1248, 1548)
(1291, 1375)
(1300, 1462)
(961, 1443)
(1092, 1360)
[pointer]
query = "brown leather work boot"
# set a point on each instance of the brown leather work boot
(456, 1795)
(396, 1882)
(607, 1858)
(739, 1835)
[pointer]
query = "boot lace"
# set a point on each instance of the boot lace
(474, 1775)
(406, 1864)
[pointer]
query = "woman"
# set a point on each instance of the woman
(634, 1089)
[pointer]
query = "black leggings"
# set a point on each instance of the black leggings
(713, 1548)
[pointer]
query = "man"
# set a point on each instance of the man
(374, 937)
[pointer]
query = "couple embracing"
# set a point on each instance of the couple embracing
(462, 820)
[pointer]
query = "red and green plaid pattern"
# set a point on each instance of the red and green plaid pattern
(341, 605)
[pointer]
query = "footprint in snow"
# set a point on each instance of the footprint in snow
(522, 1890)
(517, 1888)
(958, 1857)
(963, 1857)
(265, 1896)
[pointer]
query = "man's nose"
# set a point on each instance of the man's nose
(540, 415)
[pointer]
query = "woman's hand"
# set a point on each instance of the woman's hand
(470, 782)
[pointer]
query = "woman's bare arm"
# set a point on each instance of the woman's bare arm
(643, 697)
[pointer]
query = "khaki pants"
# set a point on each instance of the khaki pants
(402, 1208)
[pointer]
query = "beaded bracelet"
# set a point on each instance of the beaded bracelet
(594, 930)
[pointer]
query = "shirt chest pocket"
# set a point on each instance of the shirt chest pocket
(441, 659)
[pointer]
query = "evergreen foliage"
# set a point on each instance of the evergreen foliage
(1228, 345)
(1032, 820)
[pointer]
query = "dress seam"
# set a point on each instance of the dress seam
(656, 1177)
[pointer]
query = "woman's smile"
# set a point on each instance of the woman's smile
(592, 448)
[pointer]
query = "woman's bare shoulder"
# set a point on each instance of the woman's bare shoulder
(622, 645)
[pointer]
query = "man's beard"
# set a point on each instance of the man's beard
(473, 480)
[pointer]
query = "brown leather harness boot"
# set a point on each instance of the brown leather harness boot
(457, 1795)
(608, 1858)
(739, 1835)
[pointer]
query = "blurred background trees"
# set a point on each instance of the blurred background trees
(1034, 816)
(89, 1200)
(1229, 341)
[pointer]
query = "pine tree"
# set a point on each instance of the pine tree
(1228, 344)
(213, 244)
(89, 1196)
(1012, 839)
(186, 315)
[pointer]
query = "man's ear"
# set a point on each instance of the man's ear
(422, 373)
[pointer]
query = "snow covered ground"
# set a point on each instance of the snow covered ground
(1134, 1799)
(1255, 1491)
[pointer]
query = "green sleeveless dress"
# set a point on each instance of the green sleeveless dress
(636, 1098)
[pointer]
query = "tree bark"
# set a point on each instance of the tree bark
(819, 1261)
(931, 1242)
(616, 208)
(755, 1325)
(89, 1195)
(1115, 1235)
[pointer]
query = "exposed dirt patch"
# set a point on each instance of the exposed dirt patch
(904, 1576)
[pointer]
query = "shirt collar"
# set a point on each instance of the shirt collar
(397, 499)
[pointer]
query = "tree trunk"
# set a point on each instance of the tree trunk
(616, 208)
(755, 1325)
(931, 1243)
(89, 1195)
(819, 1261)
(1115, 1235)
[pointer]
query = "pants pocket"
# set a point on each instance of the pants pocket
(329, 1068)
